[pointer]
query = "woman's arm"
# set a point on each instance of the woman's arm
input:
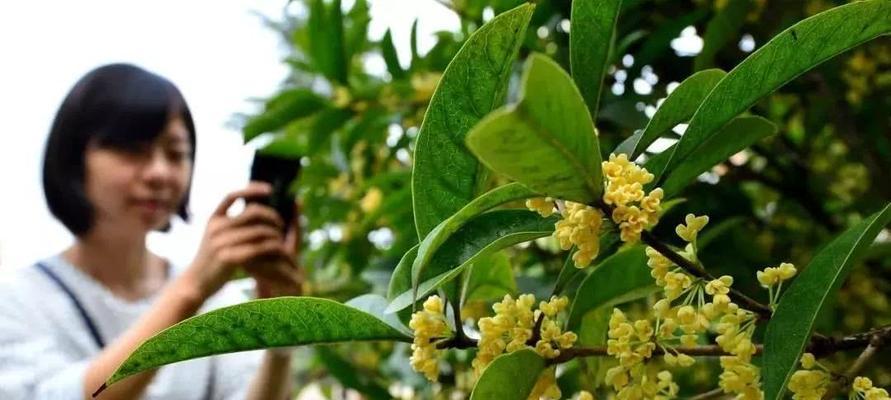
(273, 379)
(177, 302)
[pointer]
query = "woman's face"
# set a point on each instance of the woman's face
(138, 190)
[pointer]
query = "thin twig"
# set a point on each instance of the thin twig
(711, 394)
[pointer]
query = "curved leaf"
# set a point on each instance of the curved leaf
(547, 141)
(288, 106)
(483, 235)
(375, 304)
(740, 133)
(792, 323)
(439, 234)
(789, 54)
(623, 274)
(510, 376)
(475, 82)
(721, 29)
(593, 30)
(677, 108)
(259, 324)
(326, 40)
(390, 57)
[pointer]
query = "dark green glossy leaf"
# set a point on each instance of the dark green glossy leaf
(740, 133)
(796, 50)
(485, 202)
(720, 31)
(489, 279)
(259, 324)
(792, 323)
(475, 82)
(593, 30)
(677, 108)
(481, 236)
(510, 376)
(623, 275)
(547, 140)
(288, 106)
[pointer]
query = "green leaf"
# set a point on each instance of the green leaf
(792, 323)
(791, 53)
(326, 40)
(390, 56)
(475, 82)
(609, 244)
(259, 324)
(288, 106)
(481, 236)
(547, 141)
(350, 376)
(439, 234)
(413, 45)
(489, 279)
(593, 30)
(720, 31)
(677, 108)
(621, 277)
(740, 133)
(510, 376)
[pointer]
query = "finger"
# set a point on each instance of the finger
(245, 253)
(246, 235)
(256, 213)
(254, 189)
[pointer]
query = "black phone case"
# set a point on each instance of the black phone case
(280, 172)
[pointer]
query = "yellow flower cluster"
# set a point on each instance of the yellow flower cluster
(584, 395)
(541, 205)
(670, 278)
(428, 325)
(514, 319)
(807, 383)
(863, 389)
(580, 226)
(634, 211)
(511, 328)
(866, 70)
(740, 377)
(632, 344)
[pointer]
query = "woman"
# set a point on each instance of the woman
(118, 165)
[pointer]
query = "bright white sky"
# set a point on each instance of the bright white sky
(216, 52)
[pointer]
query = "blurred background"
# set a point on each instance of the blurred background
(344, 85)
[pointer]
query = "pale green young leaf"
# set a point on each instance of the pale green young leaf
(796, 50)
(510, 376)
(593, 33)
(445, 174)
(792, 323)
(547, 141)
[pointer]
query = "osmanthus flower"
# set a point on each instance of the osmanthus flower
(863, 389)
(580, 227)
(546, 386)
(428, 325)
(634, 210)
(693, 225)
(809, 383)
(511, 328)
(583, 395)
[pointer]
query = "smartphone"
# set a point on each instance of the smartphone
(280, 172)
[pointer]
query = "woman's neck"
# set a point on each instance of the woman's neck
(121, 263)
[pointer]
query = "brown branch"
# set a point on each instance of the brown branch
(696, 270)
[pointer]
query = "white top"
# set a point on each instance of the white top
(45, 345)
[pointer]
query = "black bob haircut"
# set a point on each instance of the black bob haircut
(118, 106)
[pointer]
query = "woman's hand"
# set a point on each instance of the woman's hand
(229, 242)
(280, 275)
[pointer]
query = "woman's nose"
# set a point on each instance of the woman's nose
(158, 168)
